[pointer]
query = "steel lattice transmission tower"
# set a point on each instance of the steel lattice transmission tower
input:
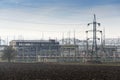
(94, 43)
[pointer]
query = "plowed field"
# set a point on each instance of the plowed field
(50, 71)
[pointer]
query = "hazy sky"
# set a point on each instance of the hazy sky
(36, 19)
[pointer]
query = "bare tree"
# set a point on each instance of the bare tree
(9, 53)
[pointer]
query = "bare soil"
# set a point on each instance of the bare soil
(50, 71)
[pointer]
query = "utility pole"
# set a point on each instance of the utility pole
(94, 43)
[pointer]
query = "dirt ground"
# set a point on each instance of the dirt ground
(50, 71)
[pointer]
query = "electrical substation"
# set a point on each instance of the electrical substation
(92, 49)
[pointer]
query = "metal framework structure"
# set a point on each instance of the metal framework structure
(94, 43)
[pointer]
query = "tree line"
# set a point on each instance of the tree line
(8, 53)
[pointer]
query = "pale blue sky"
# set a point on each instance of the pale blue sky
(33, 18)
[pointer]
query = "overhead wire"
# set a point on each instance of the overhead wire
(33, 22)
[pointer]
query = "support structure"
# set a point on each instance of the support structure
(94, 43)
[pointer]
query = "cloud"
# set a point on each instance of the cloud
(27, 20)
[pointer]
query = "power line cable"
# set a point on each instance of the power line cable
(32, 22)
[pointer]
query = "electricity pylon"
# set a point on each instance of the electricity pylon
(94, 43)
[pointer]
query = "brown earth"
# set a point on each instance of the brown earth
(50, 71)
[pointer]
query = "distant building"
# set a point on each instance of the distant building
(69, 50)
(31, 49)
